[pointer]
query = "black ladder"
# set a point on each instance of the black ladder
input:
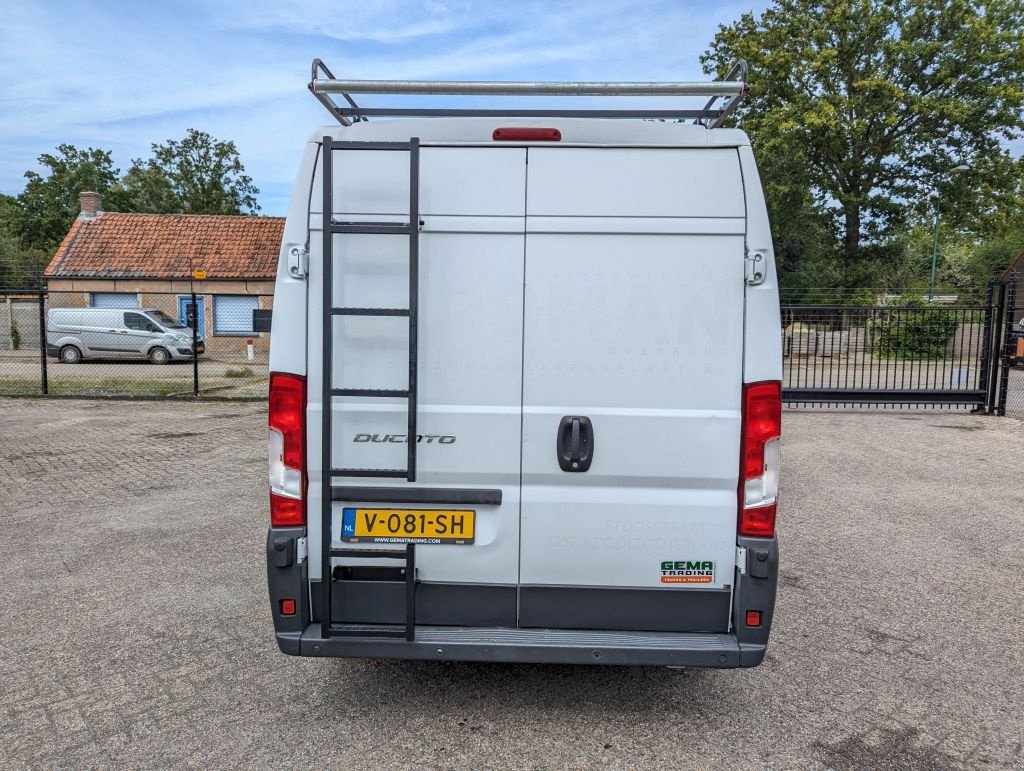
(410, 229)
(331, 227)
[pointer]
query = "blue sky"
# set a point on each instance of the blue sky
(122, 75)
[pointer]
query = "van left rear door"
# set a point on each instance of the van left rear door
(471, 251)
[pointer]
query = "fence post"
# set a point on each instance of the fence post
(1005, 349)
(195, 344)
(996, 335)
(43, 380)
(985, 383)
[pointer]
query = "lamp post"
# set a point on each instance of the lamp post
(935, 232)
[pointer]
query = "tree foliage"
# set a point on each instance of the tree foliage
(20, 266)
(865, 104)
(49, 203)
(194, 175)
(197, 174)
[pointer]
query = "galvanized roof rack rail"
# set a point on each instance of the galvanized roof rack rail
(724, 97)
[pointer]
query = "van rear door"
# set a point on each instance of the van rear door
(633, 361)
(472, 205)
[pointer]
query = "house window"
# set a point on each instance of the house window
(114, 300)
(232, 314)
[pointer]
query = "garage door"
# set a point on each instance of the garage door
(114, 300)
(232, 314)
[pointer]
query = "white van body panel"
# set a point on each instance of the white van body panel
(470, 340)
(602, 276)
(291, 289)
(634, 318)
(762, 359)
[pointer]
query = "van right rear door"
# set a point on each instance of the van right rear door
(633, 360)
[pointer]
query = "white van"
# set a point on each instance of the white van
(525, 386)
(74, 334)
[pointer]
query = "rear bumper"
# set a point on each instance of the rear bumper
(532, 646)
(495, 640)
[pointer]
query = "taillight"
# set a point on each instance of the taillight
(760, 458)
(526, 134)
(286, 440)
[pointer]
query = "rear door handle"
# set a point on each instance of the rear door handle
(574, 444)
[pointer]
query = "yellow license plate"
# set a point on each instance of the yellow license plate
(408, 526)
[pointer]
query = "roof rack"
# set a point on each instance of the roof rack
(731, 91)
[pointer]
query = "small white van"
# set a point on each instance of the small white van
(74, 334)
(525, 384)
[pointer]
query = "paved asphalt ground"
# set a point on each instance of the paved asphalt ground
(136, 632)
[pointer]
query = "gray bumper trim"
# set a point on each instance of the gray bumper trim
(537, 646)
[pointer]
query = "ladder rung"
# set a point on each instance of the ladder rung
(399, 228)
(390, 554)
(370, 311)
(391, 473)
(382, 392)
(381, 630)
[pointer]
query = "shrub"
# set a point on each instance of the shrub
(913, 330)
(15, 336)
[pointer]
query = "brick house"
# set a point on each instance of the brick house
(122, 260)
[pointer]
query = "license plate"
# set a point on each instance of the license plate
(408, 526)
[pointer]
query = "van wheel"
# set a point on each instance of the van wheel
(70, 355)
(159, 356)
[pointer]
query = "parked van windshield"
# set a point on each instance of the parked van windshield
(165, 320)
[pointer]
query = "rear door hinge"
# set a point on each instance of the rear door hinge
(755, 267)
(298, 261)
(300, 551)
(741, 560)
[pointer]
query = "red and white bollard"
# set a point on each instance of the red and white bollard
(248, 349)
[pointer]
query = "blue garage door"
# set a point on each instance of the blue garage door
(114, 300)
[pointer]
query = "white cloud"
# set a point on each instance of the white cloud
(121, 75)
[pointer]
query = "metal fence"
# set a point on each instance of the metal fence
(886, 356)
(877, 357)
(132, 344)
(1012, 371)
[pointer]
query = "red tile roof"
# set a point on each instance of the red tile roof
(116, 245)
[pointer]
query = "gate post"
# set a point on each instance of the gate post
(986, 352)
(989, 357)
(1006, 337)
(996, 336)
(43, 381)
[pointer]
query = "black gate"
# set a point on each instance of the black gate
(926, 355)
(1007, 385)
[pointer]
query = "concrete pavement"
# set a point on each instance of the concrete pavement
(136, 629)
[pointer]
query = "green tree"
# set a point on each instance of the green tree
(10, 213)
(998, 212)
(49, 203)
(196, 175)
(868, 102)
(20, 267)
